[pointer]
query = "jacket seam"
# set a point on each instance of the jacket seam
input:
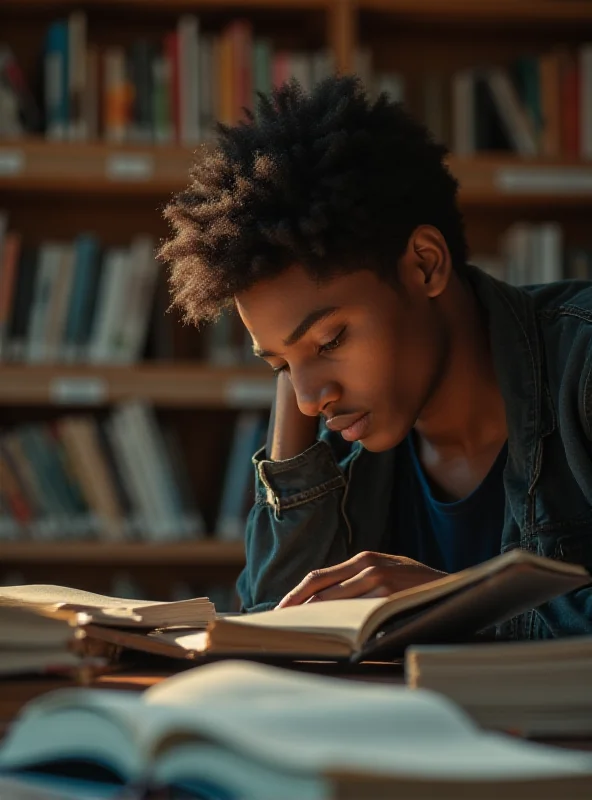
(300, 498)
(586, 395)
(566, 311)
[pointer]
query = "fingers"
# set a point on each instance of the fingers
(319, 580)
(369, 582)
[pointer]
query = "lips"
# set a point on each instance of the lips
(351, 426)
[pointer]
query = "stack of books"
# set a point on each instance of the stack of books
(536, 688)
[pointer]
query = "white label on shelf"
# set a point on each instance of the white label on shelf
(12, 162)
(78, 391)
(129, 166)
(249, 392)
(561, 180)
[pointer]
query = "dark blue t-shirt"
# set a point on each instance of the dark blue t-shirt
(446, 536)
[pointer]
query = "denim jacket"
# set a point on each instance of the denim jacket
(332, 500)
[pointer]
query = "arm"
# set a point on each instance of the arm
(571, 614)
(297, 524)
(290, 431)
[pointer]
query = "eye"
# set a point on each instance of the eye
(334, 343)
(278, 370)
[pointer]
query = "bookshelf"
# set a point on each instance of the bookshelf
(55, 189)
(153, 172)
(176, 385)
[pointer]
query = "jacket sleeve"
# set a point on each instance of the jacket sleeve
(296, 525)
(571, 614)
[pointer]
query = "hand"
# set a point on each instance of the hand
(364, 575)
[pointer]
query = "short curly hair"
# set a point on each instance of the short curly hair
(328, 180)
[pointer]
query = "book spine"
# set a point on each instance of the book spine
(49, 264)
(56, 89)
(23, 301)
(77, 76)
(9, 262)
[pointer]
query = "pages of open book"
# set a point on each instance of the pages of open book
(298, 723)
(353, 621)
(66, 603)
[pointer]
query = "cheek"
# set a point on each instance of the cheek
(408, 361)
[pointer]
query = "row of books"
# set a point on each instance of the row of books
(75, 301)
(537, 106)
(118, 478)
(534, 253)
(172, 90)
(83, 302)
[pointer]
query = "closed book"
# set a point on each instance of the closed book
(50, 258)
(77, 435)
(516, 122)
(56, 69)
(141, 76)
(57, 311)
(10, 250)
(535, 688)
(21, 304)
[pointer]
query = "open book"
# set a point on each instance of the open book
(450, 609)
(78, 606)
(237, 729)
(539, 688)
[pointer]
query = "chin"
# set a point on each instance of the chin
(382, 440)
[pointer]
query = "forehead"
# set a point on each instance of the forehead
(278, 305)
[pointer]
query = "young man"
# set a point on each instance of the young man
(427, 416)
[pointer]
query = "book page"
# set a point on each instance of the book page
(49, 595)
(353, 621)
(336, 619)
(310, 723)
(68, 602)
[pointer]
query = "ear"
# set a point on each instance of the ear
(426, 264)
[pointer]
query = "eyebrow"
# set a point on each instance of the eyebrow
(301, 329)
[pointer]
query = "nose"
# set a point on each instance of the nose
(313, 394)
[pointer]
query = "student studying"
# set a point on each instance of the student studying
(427, 417)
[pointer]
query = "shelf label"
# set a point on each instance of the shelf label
(78, 391)
(12, 162)
(559, 180)
(249, 392)
(129, 167)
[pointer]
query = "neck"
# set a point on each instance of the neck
(465, 414)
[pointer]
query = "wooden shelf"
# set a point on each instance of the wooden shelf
(162, 6)
(198, 553)
(93, 167)
(37, 165)
(506, 180)
(179, 385)
(535, 10)
(532, 11)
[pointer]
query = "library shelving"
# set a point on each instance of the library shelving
(176, 385)
(55, 189)
(155, 171)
